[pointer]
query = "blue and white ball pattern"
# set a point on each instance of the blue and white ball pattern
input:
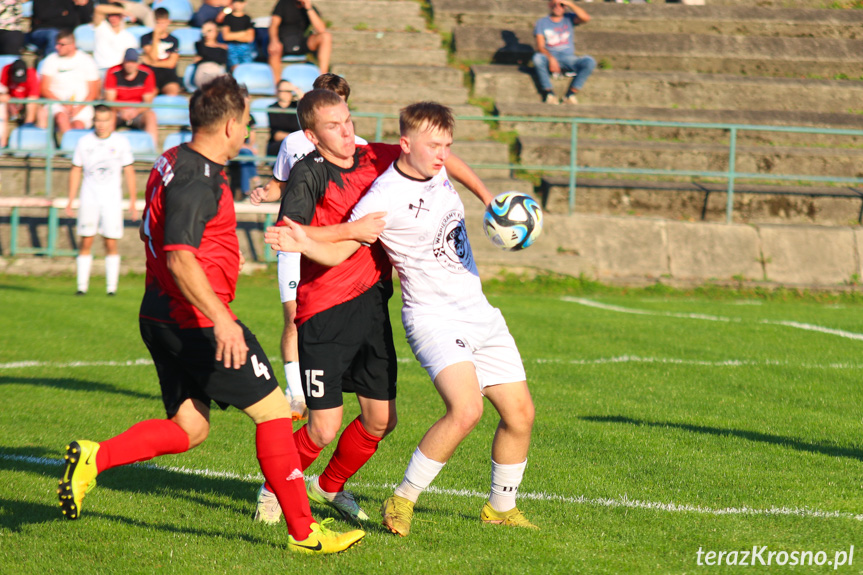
(512, 221)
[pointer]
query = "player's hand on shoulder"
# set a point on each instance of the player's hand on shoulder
(367, 229)
(231, 348)
(286, 238)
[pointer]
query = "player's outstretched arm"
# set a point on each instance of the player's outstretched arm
(292, 238)
(273, 192)
(463, 174)
(364, 230)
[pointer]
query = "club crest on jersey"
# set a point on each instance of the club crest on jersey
(451, 248)
(448, 186)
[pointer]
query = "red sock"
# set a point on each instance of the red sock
(144, 440)
(280, 463)
(356, 446)
(307, 449)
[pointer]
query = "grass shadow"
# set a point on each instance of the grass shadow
(75, 385)
(793, 443)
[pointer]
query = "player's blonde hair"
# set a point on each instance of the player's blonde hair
(335, 83)
(311, 102)
(423, 116)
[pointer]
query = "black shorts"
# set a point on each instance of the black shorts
(186, 363)
(165, 76)
(349, 348)
(294, 45)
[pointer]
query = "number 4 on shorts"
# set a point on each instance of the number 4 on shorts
(260, 368)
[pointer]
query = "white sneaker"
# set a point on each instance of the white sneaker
(571, 99)
(344, 502)
(299, 411)
(268, 509)
(550, 98)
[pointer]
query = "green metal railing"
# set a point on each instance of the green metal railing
(731, 175)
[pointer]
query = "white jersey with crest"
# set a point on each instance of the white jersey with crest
(102, 161)
(426, 241)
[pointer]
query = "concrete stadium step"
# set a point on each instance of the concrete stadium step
(745, 55)
(741, 20)
(483, 153)
(510, 84)
(785, 4)
(464, 130)
(402, 94)
(363, 40)
(403, 56)
(691, 135)
(372, 15)
(405, 75)
(27, 177)
(707, 157)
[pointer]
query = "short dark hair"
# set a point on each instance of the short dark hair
(425, 116)
(335, 83)
(311, 102)
(64, 33)
(216, 101)
(161, 13)
(101, 108)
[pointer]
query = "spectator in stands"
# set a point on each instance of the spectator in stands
(288, 25)
(239, 32)
(283, 124)
(210, 11)
(139, 13)
(133, 83)
(555, 50)
(12, 35)
(17, 81)
(212, 55)
(244, 173)
(161, 54)
(51, 16)
(69, 74)
(102, 160)
(110, 34)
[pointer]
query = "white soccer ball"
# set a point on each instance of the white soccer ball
(512, 221)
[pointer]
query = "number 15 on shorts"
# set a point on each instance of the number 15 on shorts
(314, 384)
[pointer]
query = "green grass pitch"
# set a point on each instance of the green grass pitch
(667, 422)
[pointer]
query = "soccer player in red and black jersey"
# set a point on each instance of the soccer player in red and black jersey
(134, 83)
(344, 332)
(201, 351)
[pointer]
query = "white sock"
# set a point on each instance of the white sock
(505, 480)
(295, 383)
(420, 473)
(112, 273)
(83, 267)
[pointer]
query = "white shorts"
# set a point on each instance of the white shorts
(85, 115)
(485, 341)
(103, 218)
(288, 266)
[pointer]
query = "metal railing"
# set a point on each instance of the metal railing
(731, 176)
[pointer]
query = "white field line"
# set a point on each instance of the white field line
(621, 502)
(540, 361)
(794, 324)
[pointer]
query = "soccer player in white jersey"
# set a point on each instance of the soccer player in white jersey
(294, 148)
(99, 164)
(458, 337)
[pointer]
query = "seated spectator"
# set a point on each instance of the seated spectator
(244, 174)
(17, 81)
(555, 50)
(51, 16)
(210, 11)
(69, 74)
(161, 54)
(139, 13)
(288, 25)
(111, 37)
(212, 55)
(133, 83)
(283, 124)
(12, 35)
(239, 32)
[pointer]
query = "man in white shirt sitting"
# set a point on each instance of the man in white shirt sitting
(111, 37)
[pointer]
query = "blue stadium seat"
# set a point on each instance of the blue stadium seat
(257, 77)
(85, 38)
(175, 139)
(187, 38)
(175, 116)
(27, 9)
(7, 59)
(70, 140)
(179, 10)
(302, 76)
(141, 143)
(189, 78)
(28, 140)
(138, 31)
(259, 111)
